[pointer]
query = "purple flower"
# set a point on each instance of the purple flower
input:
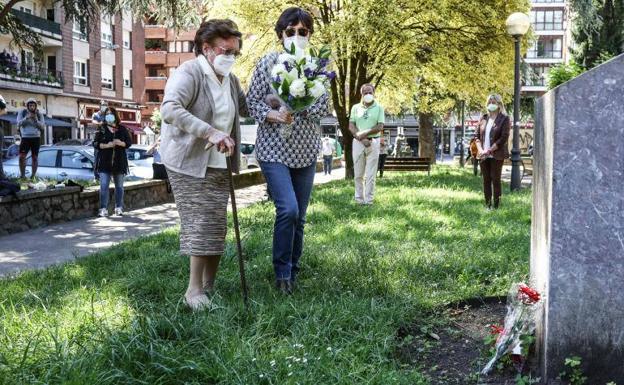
(288, 66)
(308, 73)
(277, 79)
(323, 63)
(331, 75)
(290, 98)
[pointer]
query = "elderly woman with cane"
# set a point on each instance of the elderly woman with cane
(200, 111)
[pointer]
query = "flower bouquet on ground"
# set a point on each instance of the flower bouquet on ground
(299, 79)
(515, 337)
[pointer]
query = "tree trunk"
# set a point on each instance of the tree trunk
(426, 142)
(343, 122)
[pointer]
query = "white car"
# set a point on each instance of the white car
(61, 163)
(248, 152)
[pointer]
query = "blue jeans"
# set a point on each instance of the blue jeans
(105, 179)
(327, 163)
(290, 189)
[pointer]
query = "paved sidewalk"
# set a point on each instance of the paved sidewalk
(63, 242)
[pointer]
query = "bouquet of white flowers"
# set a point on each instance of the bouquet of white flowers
(300, 79)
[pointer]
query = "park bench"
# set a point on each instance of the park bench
(408, 164)
(526, 165)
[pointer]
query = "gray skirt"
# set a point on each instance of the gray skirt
(202, 205)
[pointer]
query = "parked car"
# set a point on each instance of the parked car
(248, 152)
(8, 142)
(60, 163)
(137, 155)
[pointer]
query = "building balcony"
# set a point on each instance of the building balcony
(177, 58)
(156, 57)
(181, 35)
(155, 32)
(149, 108)
(26, 77)
(155, 83)
(40, 25)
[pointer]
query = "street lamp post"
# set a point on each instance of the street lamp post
(463, 129)
(517, 26)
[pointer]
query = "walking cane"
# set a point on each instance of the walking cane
(241, 263)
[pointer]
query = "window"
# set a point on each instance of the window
(79, 30)
(45, 159)
(127, 78)
(127, 39)
(80, 72)
(107, 34)
(26, 10)
(546, 49)
(73, 159)
(107, 76)
(547, 20)
(172, 46)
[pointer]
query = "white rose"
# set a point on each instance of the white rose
(292, 75)
(297, 88)
(318, 89)
(277, 70)
(310, 66)
(286, 57)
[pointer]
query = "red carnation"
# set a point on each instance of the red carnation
(530, 294)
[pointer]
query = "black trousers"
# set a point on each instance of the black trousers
(382, 162)
(491, 170)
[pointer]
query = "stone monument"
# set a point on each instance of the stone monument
(577, 236)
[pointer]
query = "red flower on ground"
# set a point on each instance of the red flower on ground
(526, 293)
(495, 329)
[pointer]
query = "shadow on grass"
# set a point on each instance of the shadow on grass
(116, 317)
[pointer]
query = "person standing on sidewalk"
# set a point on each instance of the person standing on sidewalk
(491, 139)
(287, 162)
(98, 120)
(328, 155)
(31, 124)
(112, 141)
(201, 126)
(365, 123)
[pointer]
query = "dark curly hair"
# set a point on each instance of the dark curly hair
(292, 16)
(211, 29)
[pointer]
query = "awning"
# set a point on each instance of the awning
(56, 122)
(12, 118)
(134, 128)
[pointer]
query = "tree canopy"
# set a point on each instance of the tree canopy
(423, 55)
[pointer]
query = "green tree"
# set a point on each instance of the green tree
(171, 13)
(157, 120)
(437, 51)
(604, 38)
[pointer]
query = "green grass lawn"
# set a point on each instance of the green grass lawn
(117, 317)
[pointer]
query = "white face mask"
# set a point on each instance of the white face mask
(223, 64)
(368, 98)
(492, 107)
(300, 42)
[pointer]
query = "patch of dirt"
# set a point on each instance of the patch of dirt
(451, 350)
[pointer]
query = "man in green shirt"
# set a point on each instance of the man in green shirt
(365, 123)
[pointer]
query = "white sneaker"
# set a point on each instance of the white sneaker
(103, 213)
(118, 211)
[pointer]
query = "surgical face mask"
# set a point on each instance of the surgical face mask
(110, 118)
(300, 42)
(223, 64)
(492, 107)
(368, 98)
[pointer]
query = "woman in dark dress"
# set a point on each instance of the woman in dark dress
(112, 141)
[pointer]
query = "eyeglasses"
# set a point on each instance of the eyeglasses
(290, 32)
(227, 51)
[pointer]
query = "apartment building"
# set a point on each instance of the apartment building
(551, 23)
(77, 69)
(165, 50)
